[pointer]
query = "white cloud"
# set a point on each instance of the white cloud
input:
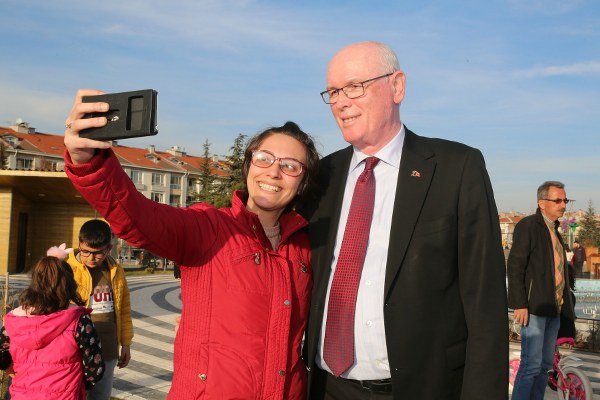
(590, 68)
(545, 7)
(227, 25)
(44, 110)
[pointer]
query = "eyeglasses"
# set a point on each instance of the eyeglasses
(87, 253)
(558, 201)
(352, 90)
(289, 166)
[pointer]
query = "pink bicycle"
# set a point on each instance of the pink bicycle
(569, 382)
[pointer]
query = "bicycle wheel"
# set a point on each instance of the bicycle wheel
(514, 330)
(513, 368)
(578, 384)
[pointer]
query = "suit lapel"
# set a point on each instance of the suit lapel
(328, 216)
(414, 178)
(417, 168)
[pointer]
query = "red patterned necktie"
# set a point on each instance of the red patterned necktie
(338, 347)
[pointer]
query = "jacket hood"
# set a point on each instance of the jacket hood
(74, 259)
(37, 331)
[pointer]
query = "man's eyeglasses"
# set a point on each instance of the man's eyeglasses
(352, 90)
(558, 201)
(87, 253)
(289, 166)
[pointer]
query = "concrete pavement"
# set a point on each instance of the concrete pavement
(155, 302)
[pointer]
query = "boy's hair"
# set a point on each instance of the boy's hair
(52, 288)
(95, 233)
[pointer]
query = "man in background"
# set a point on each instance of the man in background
(578, 258)
(539, 288)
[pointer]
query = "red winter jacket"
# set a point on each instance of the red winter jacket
(244, 304)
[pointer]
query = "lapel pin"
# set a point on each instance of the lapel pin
(415, 174)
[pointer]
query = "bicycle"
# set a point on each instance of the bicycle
(569, 382)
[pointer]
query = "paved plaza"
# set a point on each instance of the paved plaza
(155, 304)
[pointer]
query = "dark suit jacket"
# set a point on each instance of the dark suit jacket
(445, 305)
(531, 270)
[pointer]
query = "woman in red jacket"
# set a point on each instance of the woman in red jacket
(245, 270)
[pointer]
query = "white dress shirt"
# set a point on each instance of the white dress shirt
(371, 360)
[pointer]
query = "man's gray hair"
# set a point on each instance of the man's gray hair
(542, 191)
(387, 58)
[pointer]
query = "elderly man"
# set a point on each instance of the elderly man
(409, 300)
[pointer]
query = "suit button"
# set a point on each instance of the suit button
(202, 377)
(281, 373)
(286, 303)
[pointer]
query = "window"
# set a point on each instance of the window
(152, 158)
(175, 182)
(24, 163)
(157, 197)
(193, 185)
(174, 200)
(158, 179)
(136, 176)
(12, 140)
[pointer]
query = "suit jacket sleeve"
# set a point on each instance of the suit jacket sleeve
(482, 275)
(517, 267)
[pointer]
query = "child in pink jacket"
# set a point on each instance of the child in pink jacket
(49, 343)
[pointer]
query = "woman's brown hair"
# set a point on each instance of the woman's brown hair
(52, 288)
(291, 129)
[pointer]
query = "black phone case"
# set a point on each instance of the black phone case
(130, 114)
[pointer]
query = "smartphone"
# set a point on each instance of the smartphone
(130, 114)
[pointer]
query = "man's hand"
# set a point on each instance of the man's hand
(521, 315)
(125, 357)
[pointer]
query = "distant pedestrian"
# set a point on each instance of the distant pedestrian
(569, 254)
(539, 289)
(101, 283)
(49, 342)
(176, 271)
(578, 257)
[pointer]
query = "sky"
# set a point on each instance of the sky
(517, 79)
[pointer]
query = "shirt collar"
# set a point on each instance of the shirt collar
(549, 222)
(389, 154)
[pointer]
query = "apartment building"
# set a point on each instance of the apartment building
(39, 207)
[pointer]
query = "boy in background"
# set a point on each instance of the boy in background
(101, 283)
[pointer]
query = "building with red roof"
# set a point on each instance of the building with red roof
(40, 208)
